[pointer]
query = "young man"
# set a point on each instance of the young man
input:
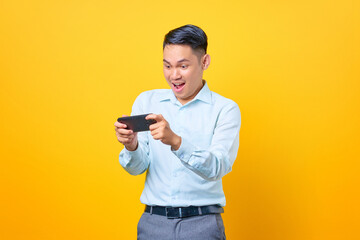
(192, 145)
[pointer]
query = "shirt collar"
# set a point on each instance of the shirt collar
(203, 95)
(167, 95)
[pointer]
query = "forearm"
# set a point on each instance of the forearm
(215, 159)
(134, 162)
(212, 163)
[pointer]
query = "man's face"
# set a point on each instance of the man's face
(183, 71)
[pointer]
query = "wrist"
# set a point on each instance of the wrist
(176, 143)
(132, 147)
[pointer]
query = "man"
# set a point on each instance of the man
(192, 145)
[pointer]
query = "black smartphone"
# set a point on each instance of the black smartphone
(137, 123)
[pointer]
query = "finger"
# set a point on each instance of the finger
(126, 138)
(156, 133)
(124, 131)
(158, 136)
(153, 132)
(160, 122)
(125, 135)
(154, 126)
(157, 118)
(120, 125)
(150, 116)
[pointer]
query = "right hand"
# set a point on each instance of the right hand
(125, 136)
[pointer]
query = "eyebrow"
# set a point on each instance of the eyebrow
(182, 60)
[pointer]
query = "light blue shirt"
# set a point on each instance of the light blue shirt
(209, 128)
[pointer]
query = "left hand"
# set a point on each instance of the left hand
(161, 131)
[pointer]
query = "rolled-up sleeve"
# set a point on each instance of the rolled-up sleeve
(214, 162)
(136, 162)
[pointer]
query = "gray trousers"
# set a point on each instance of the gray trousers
(156, 227)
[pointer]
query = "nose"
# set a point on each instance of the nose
(175, 74)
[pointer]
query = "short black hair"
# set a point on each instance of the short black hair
(190, 35)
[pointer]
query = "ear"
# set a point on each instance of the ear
(205, 62)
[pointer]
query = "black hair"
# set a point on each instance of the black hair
(190, 35)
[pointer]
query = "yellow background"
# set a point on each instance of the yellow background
(68, 69)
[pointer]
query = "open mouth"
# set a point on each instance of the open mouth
(178, 86)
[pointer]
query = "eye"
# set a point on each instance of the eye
(167, 66)
(184, 66)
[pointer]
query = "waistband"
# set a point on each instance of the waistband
(181, 212)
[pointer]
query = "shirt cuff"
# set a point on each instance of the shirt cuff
(185, 150)
(126, 156)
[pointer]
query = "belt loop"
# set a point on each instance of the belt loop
(151, 209)
(200, 212)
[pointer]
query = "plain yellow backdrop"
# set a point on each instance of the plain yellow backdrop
(68, 69)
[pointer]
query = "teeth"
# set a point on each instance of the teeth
(177, 84)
